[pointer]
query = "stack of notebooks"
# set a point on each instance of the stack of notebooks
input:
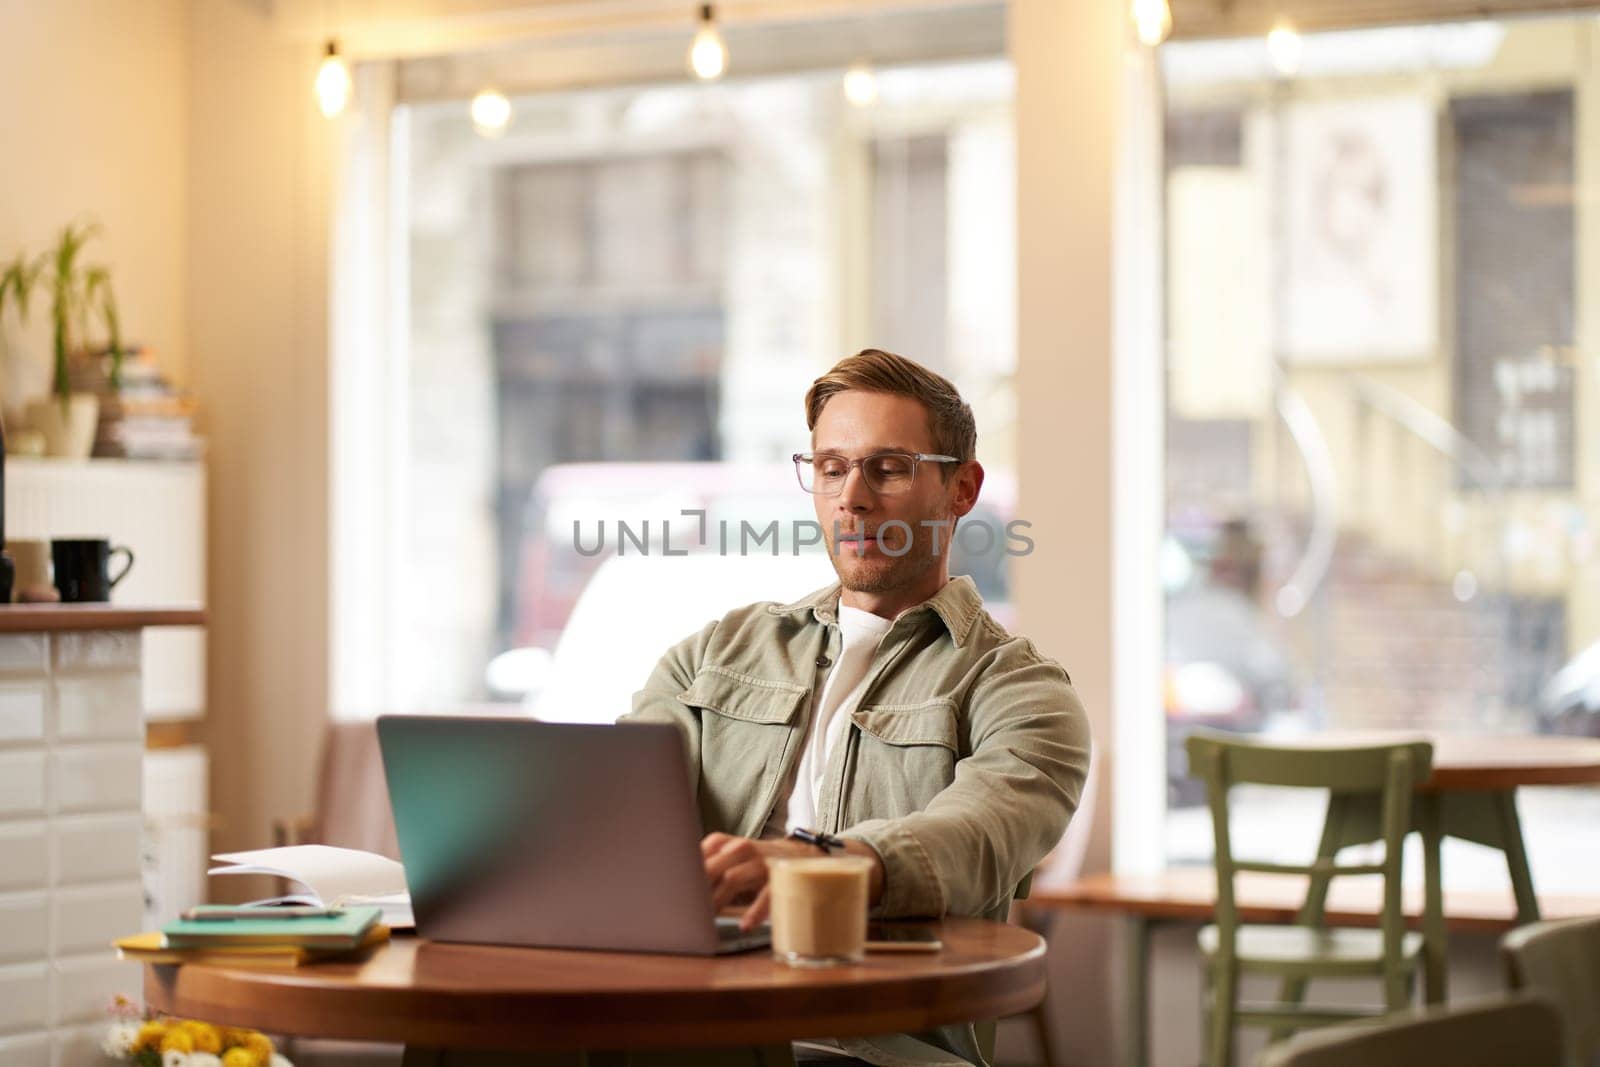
(276, 938)
(366, 891)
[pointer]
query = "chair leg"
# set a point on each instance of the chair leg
(1435, 956)
(1224, 997)
(1397, 990)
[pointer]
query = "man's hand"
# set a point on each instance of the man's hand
(736, 868)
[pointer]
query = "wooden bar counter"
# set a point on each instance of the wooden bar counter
(61, 618)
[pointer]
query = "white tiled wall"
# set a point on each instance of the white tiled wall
(71, 765)
(25, 1050)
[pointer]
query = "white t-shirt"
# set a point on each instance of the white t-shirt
(841, 692)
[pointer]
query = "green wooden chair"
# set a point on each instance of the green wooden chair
(1560, 961)
(1525, 1031)
(1385, 774)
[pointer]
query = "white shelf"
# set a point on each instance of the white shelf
(157, 509)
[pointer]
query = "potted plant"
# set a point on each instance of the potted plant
(16, 287)
(78, 293)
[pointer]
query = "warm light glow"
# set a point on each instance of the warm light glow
(1284, 47)
(1152, 20)
(333, 82)
(491, 112)
(708, 56)
(861, 85)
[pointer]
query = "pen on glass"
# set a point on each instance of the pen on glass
(229, 914)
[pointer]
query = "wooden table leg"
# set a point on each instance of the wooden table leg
(1516, 851)
(1135, 991)
(1489, 817)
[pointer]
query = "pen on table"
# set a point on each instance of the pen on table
(229, 914)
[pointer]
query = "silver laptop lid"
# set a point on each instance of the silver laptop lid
(517, 832)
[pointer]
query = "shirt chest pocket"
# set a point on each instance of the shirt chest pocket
(905, 756)
(746, 727)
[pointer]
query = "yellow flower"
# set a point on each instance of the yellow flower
(150, 1035)
(239, 1056)
(177, 1039)
(261, 1045)
(235, 1035)
(207, 1038)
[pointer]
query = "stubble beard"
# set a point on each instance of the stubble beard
(902, 571)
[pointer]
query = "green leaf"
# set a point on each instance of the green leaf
(16, 283)
(27, 276)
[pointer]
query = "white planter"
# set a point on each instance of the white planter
(68, 428)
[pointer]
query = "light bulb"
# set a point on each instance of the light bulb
(491, 112)
(708, 56)
(861, 85)
(333, 82)
(1152, 21)
(1284, 46)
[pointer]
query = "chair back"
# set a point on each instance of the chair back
(1560, 961)
(1525, 1031)
(1386, 774)
(352, 798)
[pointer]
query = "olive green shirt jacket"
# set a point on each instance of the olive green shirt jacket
(961, 765)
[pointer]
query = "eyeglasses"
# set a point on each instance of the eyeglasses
(824, 473)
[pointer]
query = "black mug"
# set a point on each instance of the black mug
(83, 568)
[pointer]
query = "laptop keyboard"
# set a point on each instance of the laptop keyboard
(730, 936)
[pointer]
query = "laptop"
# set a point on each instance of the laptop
(556, 835)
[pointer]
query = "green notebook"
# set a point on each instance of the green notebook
(344, 930)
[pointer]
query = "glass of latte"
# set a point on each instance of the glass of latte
(819, 909)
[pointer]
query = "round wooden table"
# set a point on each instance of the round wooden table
(434, 995)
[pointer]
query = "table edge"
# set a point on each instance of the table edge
(457, 1018)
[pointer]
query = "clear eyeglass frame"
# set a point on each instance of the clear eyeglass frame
(877, 479)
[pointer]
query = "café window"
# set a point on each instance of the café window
(612, 309)
(1379, 515)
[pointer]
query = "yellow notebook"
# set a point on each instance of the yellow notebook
(151, 947)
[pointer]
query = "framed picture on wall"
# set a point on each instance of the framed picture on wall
(1359, 230)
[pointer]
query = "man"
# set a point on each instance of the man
(888, 709)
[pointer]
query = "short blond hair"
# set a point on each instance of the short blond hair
(873, 370)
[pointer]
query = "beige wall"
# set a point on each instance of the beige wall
(258, 256)
(92, 124)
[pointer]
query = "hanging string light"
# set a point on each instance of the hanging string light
(861, 84)
(1284, 47)
(333, 81)
(491, 112)
(1152, 21)
(708, 56)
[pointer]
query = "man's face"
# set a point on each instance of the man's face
(854, 424)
